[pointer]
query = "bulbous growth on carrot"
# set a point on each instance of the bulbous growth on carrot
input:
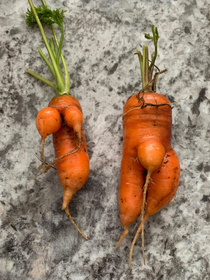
(151, 154)
(74, 118)
(48, 121)
(69, 107)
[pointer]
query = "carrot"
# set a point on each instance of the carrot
(63, 117)
(150, 168)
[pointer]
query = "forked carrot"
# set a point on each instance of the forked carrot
(150, 168)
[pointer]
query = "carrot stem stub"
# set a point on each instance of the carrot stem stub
(150, 169)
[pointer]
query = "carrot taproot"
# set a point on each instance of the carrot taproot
(150, 168)
(63, 117)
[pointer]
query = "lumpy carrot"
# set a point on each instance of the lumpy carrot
(73, 169)
(150, 168)
(63, 117)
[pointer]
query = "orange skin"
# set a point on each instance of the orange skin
(140, 126)
(165, 183)
(63, 118)
(73, 170)
(130, 192)
(48, 121)
(146, 151)
(70, 108)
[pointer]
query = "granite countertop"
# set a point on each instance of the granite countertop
(37, 241)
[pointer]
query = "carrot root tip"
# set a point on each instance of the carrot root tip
(122, 237)
(70, 218)
(146, 216)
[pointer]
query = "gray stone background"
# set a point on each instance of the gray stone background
(37, 241)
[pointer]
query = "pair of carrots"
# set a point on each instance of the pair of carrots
(150, 167)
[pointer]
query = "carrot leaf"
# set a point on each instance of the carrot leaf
(46, 16)
(42, 16)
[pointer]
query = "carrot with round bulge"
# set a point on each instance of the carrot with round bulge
(73, 170)
(150, 168)
(142, 148)
(48, 121)
(63, 117)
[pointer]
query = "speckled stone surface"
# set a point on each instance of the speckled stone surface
(37, 241)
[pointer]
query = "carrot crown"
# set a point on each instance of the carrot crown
(43, 15)
(146, 65)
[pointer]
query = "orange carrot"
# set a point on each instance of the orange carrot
(73, 169)
(63, 117)
(150, 168)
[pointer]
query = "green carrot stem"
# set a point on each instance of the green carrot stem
(47, 61)
(140, 61)
(52, 45)
(44, 3)
(60, 85)
(67, 80)
(42, 79)
(145, 67)
(155, 39)
(59, 47)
